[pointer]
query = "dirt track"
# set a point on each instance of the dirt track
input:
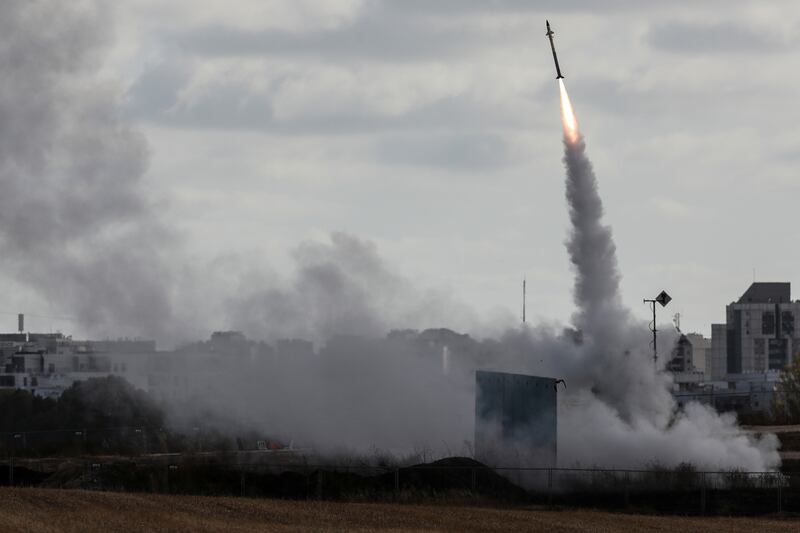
(63, 510)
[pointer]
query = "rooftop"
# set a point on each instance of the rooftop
(767, 292)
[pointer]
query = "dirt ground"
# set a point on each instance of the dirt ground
(54, 510)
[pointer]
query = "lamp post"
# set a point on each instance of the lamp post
(663, 298)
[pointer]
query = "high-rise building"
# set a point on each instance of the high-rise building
(761, 334)
(717, 363)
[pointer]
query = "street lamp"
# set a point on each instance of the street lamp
(663, 298)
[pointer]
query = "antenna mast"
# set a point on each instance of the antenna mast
(524, 295)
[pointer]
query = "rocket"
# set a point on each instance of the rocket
(550, 34)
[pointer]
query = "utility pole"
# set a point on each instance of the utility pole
(524, 294)
(663, 298)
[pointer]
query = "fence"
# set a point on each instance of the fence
(124, 440)
(462, 481)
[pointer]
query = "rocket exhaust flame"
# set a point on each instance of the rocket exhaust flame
(571, 132)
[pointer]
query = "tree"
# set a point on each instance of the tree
(786, 405)
(105, 414)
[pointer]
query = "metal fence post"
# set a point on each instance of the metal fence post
(549, 486)
(627, 489)
(703, 493)
(780, 499)
(308, 482)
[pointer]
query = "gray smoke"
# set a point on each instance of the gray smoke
(591, 247)
(623, 405)
(341, 287)
(78, 227)
(75, 224)
(351, 393)
(613, 363)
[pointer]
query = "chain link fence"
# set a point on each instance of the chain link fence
(461, 481)
(140, 459)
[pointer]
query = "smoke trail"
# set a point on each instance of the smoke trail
(610, 359)
(635, 411)
(591, 247)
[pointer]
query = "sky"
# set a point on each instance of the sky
(432, 129)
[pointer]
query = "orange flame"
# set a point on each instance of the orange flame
(571, 133)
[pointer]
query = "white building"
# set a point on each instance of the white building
(46, 364)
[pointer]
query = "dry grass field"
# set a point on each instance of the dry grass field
(54, 510)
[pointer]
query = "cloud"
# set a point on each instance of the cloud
(647, 88)
(459, 152)
(385, 31)
(722, 37)
(158, 87)
(482, 7)
(671, 208)
(372, 36)
(299, 98)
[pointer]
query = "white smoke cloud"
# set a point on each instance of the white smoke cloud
(592, 433)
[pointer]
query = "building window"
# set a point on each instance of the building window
(777, 353)
(759, 346)
(768, 323)
(787, 323)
